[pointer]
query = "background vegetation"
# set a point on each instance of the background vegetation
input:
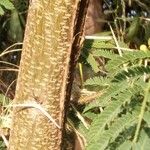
(110, 107)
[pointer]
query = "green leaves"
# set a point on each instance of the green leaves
(128, 57)
(143, 142)
(5, 4)
(98, 125)
(91, 60)
(15, 30)
(147, 118)
(122, 104)
(97, 81)
(133, 29)
(101, 142)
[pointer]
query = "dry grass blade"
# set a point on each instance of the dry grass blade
(39, 107)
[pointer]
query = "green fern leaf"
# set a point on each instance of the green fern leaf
(109, 113)
(104, 99)
(111, 134)
(98, 146)
(93, 63)
(144, 141)
(116, 63)
(104, 53)
(91, 106)
(120, 124)
(99, 44)
(113, 90)
(125, 146)
(97, 81)
(135, 71)
(147, 118)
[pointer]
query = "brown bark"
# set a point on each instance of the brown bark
(94, 17)
(52, 42)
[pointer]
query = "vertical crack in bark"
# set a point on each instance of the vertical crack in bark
(76, 46)
(43, 75)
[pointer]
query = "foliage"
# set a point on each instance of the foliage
(12, 24)
(124, 103)
(5, 121)
(5, 4)
(119, 117)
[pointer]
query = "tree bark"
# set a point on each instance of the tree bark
(94, 20)
(50, 50)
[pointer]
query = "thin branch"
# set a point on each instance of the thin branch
(8, 69)
(15, 44)
(146, 98)
(4, 139)
(11, 64)
(10, 51)
(37, 106)
(80, 117)
(115, 39)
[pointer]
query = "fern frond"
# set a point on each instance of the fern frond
(125, 91)
(99, 44)
(125, 146)
(142, 111)
(143, 142)
(109, 113)
(104, 53)
(97, 81)
(147, 118)
(120, 141)
(93, 63)
(101, 141)
(116, 63)
(135, 71)
(112, 91)
(120, 124)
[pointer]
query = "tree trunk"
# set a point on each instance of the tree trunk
(50, 50)
(95, 17)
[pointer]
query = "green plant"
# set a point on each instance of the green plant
(119, 116)
(5, 4)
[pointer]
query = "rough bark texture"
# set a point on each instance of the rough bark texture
(52, 42)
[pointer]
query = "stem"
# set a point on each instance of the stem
(145, 65)
(141, 114)
(116, 42)
(39, 107)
